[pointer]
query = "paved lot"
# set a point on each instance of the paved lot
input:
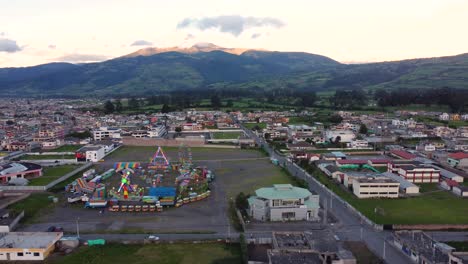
(236, 170)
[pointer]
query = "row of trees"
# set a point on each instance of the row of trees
(455, 99)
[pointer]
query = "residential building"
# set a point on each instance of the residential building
(27, 246)
(157, 131)
(376, 188)
(358, 144)
(459, 159)
(284, 202)
(107, 133)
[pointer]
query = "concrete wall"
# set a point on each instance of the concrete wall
(276, 213)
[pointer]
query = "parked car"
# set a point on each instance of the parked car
(153, 238)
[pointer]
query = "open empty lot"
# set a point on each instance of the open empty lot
(236, 171)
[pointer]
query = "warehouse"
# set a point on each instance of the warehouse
(27, 246)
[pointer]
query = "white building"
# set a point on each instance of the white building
(107, 133)
(358, 144)
(444, 117)
(345, 135)
(375, 188)
(157, 131)
(27, 246)
(405, 186)
(90, 153)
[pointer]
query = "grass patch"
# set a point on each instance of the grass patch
(50, 174)
(155, 253)
(430, 208)
(362, 252)
(46, 157)
(226, 135)
(65, 148)
(458, 245)
(428, 187)
(252, 125)
(35, 205)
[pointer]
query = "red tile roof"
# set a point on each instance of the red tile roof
(403, 154)
(458, 155)
(451, 183)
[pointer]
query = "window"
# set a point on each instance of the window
(20, 254)
(36, 254)
(276, 202)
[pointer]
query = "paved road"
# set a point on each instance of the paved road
(350, 225)
(449, 236)
(162, 237)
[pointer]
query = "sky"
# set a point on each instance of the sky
(41, 31)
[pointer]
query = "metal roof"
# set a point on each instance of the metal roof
(283, 191)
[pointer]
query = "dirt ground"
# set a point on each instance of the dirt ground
(236, 170)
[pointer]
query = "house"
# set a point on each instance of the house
(450, 174)
(304, 155)
(376, 188)
(107, 133)
(15, 146)
(27, 246)
(459, 159)
(460, 191)
(90, 153)
(283, 202)
(139, 133)
(25, 170)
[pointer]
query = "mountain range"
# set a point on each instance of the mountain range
(153, 70)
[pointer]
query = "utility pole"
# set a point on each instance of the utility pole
(77, 227)
(384, 249)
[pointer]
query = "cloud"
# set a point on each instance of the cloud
(234, 25)
(2, 34)
(81, 58)
(8, 45)
(141, 43)
(189, 36)
(255, 35)
(52, 46)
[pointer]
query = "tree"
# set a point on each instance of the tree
(229, 103)
(118, 106)
(241, 201)
(109, 107)
(215, 101)
(337, 140)
(335, 119)
(165, 109)
(363, 129)
(133, 103)
(178, 129)
(9, 122)
(267, 136)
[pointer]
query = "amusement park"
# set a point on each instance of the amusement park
(143, 186)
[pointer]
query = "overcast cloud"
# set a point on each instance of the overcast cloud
(234, 24)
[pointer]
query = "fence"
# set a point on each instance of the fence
(68, 175)
(347, 205)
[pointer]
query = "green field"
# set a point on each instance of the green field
(35, 205)
(252, 125)
(226, 135)
(155, 253)
(459, 245)
(431, 207)
(52, 173)
(46, 157)
(65, 148)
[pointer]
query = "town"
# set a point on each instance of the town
(286, 186)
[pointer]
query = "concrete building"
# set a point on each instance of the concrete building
(375, 188)
(90, 153)
(459, 159)
(283, 202)
(27, 246)
(406, 187)
(414, 171)
(460, 191)
(107, 133)
(157, 131)
(358, 144)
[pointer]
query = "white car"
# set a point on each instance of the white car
(153, 237)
